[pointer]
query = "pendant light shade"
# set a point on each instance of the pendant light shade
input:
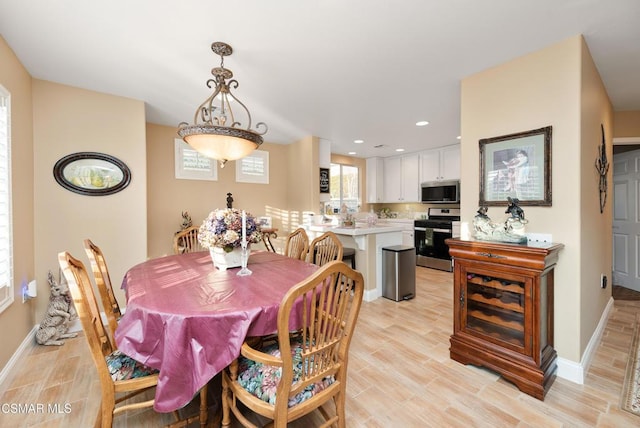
(216, 131)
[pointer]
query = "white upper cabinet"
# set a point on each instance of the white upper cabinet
(440, 164)
(402, 179)
(375, 180)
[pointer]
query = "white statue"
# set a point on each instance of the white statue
(512, 230)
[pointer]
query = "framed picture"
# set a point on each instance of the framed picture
(92, 174)
(325, 180)
(193, 165)
(265, 222)
(253, 168)
(516, 166)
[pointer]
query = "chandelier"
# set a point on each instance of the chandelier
(216, 131)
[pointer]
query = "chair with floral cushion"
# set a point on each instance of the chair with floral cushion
(297, 244)
(121, 377)
(186, 241)
(324, 249)
(103, 283)
(295, 375)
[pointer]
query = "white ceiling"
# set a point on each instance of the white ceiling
(340, 70)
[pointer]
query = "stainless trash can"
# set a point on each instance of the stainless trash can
(399, 272)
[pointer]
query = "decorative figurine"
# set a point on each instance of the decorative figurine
(602, 166)
(512, 230)
(514, 225)
(60, 312)
(229, 201)
(186, 221)
(514, 209)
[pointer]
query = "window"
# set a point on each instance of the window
(345, 187)
(6, 249)
(193, 165)
(253, 168)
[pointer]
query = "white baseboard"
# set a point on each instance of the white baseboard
(75, 326)
(575, 372)
(29, 341)
(371, 295)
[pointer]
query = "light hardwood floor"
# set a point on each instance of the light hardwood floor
(400, 375)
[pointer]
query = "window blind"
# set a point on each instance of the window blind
(6, 251)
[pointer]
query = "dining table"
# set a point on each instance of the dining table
(187, 319)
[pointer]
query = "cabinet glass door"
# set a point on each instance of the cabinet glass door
(493, 306)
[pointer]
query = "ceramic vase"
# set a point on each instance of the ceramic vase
(225, 260)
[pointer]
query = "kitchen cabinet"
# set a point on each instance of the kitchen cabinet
(375, 180)
(407, 229)
(402, 179)
(440, 164)
(503, 311)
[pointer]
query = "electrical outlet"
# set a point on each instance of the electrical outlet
(539, 238)
(603, 280)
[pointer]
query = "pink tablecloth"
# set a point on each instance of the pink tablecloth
(189, 320)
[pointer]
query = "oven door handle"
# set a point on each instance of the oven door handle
(424, 229)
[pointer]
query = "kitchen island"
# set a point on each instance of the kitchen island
(368, 242)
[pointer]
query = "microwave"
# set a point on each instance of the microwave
(440, 192)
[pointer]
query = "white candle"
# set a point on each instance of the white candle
(244, 229)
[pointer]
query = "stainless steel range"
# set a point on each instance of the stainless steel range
(429, 237)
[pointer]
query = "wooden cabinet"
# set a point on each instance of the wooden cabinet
(402, 179)
(440, 164)
(375, 181)
(503, 310)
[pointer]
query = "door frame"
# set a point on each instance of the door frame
(621, 141)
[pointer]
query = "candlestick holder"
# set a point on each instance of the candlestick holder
(244, 271)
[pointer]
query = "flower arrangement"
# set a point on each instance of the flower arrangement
(223, 229)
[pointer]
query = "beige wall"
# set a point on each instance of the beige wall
(596, 247)
(17, 320)
(626, 124)
(68, 120)
(303, 180)
(541, 89)
(168, 197)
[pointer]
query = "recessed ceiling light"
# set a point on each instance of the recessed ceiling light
(352, 153)
(459, 137)
(358, 141)
(422, 123)
(399, 150)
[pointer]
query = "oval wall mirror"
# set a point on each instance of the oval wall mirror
(91, 173)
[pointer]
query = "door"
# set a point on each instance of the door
(496, 306)
(450, 166)
(430, 166)
(429, 242)
(392, 180)
(410, 178)
(626, 220)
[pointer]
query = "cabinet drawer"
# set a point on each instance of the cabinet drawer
(525, 256)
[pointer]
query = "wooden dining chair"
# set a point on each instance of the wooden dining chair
(297, 244)
(186, 241)
(324, 249)
(117, 372)
(105, 288)
(121, 377)
(295, 375)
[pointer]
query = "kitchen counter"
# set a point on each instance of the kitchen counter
(368, 242)
(358, 230)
